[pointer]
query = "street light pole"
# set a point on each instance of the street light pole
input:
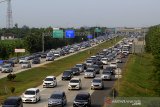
(42, 42)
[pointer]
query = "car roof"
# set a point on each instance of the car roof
(97, 78)
(50, 76)
(14, 97)
(58, 92)
(32, 89)
(75, 79)
(83, 93)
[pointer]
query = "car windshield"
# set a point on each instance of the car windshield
(30, 92)
(74, 81)
(10, 102)
(89, 70)
(81, 97)
(5, 66)
(106, 72)
(49, 79)
(89, 61)
(96, 80)
(25, 63)
(78, 65)
(56, 96)
(66, 73)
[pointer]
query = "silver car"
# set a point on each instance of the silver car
(7, 68)
(26, 64)
(97, 83)
(106, 75)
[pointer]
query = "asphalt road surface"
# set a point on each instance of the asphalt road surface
(97, 96)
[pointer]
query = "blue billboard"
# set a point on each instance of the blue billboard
(69, 34)
(89, 36)
(1, 61)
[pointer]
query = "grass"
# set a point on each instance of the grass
(34, 77)
(136, 80)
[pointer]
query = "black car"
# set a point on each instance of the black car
(110, 69)
(36, 61)
(82, 99)
(75, 71)
(43, 55)
(67, 75)
(13, 102)
(58, 98)
(100, 64)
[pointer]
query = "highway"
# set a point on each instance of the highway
(18, 69)
(97, 96)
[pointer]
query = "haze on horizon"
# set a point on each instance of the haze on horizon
(76, 13)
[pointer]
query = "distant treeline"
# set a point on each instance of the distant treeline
(153, 46)
(31, 39)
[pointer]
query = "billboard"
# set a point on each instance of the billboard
(57, 33)
(89, 36)
(19, 50)
(69, 34)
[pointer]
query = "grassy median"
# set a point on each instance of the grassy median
(136, 80)
(34, 77)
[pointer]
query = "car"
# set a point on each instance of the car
(104, 61)
(75, 71)
(7, 68)
(119, 60)
(9, 62)
(96, 67)
(106, 75)
(26, 64)
(36, 60)
(89, 62)
(31, 95)
(13, 101)
(81, 67)
(75, 83)
(43, 55)
(50, 81)
(100, 64)
(97, 83)
(67, 75)
(113, 64)
(22, 59)
(82, 99)
(90, 72)
(110, 69)
(15, 60)
(57, 98)
(50, 58)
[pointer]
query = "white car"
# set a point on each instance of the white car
(72, 50)
(106, 75)
(113, 64)
(104, 61)
(26, 64)
(31, 95)
(75, 83)
(50, 57)
(50, 81)
(21, 60)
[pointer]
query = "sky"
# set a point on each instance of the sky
(77, 13)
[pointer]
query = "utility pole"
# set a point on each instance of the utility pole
(43, 41)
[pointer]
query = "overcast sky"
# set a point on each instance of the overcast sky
(76, 13)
